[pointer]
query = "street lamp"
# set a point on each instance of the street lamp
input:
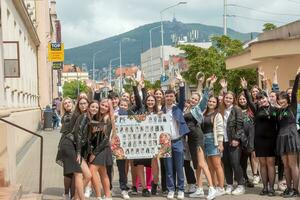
(110, 61)
(150, 31)
(120, 52)
(94, 55)
(162, 30)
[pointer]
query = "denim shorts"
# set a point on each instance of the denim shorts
(209, 147)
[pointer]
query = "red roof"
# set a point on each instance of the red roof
(128, 71)
(71, 68)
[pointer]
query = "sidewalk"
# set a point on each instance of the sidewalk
(27, 173)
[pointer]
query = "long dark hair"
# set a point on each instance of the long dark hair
(217, 106)
(249, 112)
(95, 117)
(77, 109)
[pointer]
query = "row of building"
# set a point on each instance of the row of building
(27, 81)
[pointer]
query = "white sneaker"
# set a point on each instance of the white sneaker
(229, 189)
(191, 188)
(180, 195)
(99, 198)
(199, 193)
(211, 193)
(66, 197)
(88, 192)
(256, 180)
(220, 191)
(240, 189)
(125, 194)
(170, 195)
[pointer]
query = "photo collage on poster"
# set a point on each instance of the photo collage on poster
(139, 135)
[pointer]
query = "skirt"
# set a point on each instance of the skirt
(145, 162)
(288, 141)
(67, 156)
(103, 158)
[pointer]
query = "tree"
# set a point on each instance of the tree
(269, 26)
(70, 89)
(212, 61)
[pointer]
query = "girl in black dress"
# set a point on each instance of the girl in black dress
(63, 146)
(288, 140)
(99, 147)
(81, 130)
(265, 119)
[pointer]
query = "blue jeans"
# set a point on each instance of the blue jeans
(177, 161)
(209, 145)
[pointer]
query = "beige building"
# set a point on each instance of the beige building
(71, 72)
(278, 47)
(25, 77)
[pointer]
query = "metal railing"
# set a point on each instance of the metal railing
(41, 149)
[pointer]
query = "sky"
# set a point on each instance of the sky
(86, 21)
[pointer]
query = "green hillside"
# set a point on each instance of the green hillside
(138, 42)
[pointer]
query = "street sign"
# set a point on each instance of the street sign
(57, 65)
(55, 52)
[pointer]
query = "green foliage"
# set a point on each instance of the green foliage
(70, 89)
(269, 26)
(212, 61)
(155, 85)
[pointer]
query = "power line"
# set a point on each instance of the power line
(263, 11)
(257, 19)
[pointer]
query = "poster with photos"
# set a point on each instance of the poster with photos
(142, 136)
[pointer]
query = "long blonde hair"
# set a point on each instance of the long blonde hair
(108, 117)
(63, 110)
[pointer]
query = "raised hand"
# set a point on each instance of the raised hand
(261, 73)
(178, 76)
(213, 79)
(223, 83)
(200, 77)
(244, 83)
(298, 70)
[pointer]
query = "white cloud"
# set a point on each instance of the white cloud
(85, 21)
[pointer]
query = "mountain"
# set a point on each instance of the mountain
(137, 41)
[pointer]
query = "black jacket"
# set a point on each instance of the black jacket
(235, 128)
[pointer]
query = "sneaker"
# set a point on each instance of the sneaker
(99, 198)
(171, 195)
(220, 191)
(191, 188)
(240, 189)
(256, 179)
(291, 193)
(88, 192)
(271, 193)
(146, 193)
(66, 197)
(125, 195)
(249, 184)
(212, 193)
(180, 195)
(134, 190)
(153, 188)
(264, 192)
(199, 193)
(229, 189)
(165, 193)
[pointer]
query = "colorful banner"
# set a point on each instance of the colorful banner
(142, 136)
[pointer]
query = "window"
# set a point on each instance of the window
(11, 59)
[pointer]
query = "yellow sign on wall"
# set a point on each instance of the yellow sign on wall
(56, 52)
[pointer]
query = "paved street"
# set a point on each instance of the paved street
(53, 179)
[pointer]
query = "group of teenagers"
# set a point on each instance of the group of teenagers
(220, 134)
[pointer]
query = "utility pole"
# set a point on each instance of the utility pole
(225, 17)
